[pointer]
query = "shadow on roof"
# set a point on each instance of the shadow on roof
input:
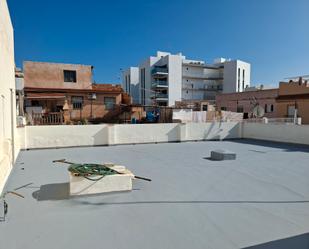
(189, 202)
(295, 242)
(49, 192)
(288, 147)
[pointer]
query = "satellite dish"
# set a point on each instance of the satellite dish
(258, 111)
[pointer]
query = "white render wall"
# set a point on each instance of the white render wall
(230, 76)
(174, 79)
(287, 133)
(7, 82)
(34, 137)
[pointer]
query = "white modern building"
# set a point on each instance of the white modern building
(166, 78)
(130, 83)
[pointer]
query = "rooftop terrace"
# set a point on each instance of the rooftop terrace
(192, 202)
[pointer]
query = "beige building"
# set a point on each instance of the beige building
(281, 102)
(8, 151)
(57, 93)
(246, 101)
(294, 96)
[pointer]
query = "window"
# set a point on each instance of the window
(126, 84)
(77, 102)
(205, 107)
(291, 110)
(238, 86)
(265, 108)
(109, 103)
(240, 109)
(243, 79)
(272, 108)
(129, 82)
(35, 103)
(143, 90)
(223, 108)
(69, 76)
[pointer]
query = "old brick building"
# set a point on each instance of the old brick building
(290, 99)
(246, 101)
(62, 93)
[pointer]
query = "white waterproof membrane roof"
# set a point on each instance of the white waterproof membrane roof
(259, 200)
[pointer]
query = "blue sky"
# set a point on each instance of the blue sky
(273, 35)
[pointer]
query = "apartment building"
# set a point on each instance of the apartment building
(65, 93)
(166, 78)
(130, 83)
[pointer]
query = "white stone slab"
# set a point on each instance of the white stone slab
(111, 183)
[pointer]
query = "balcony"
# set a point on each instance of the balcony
(207, 88)
(214, 88)
(163, 96)
(159, 84)
(159, 71)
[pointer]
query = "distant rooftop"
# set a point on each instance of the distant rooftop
(192, 202)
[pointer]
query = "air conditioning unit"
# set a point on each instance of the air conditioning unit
(93, 96)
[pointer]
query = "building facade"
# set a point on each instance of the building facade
(246, 101)
(166, 78)
(294, 96)
(55, 90)
(8, 145)
(290, 100)
(130, 83)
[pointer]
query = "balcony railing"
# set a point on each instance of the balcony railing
(159, 70)
(214, 87)
(52, 118)
(159, 96)
(159, 83)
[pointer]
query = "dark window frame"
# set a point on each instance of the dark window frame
(240, 109)
(77, 105)
(70, 76)
(109, 106)
(272, 108)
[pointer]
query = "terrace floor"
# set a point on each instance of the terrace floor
(192, 202)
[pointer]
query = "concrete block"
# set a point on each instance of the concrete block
(219, 155)
(111, 183)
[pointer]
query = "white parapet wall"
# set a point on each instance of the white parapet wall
(8, 149)
(35, 137)
(287, 133)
